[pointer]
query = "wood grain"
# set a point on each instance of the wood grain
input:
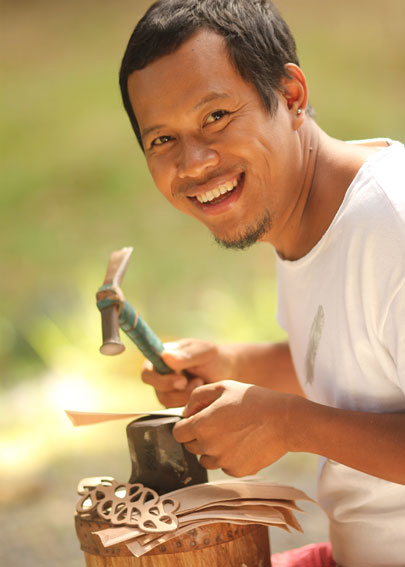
(214, 545)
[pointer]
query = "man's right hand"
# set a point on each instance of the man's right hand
(204, 360)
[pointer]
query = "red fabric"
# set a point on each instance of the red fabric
(313, 555)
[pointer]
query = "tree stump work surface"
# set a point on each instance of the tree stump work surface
(213, 545)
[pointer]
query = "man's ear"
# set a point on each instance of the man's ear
(295, 91)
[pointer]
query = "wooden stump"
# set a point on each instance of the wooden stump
(214, 545)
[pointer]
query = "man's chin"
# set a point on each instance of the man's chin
(241, 244)
(250, 236)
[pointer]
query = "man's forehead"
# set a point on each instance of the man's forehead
(202, 51)
(199, 71)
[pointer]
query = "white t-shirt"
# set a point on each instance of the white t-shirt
(343, 306)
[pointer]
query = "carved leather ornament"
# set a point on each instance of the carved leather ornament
(124, 504)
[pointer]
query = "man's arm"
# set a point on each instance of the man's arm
(373, 443)
(243, 428)
(263, 364)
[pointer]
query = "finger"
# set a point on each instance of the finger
(187, 353)
(162, 382)
(172, 399)
(165, 382)
(209, 462)
(195, 447)
(177, 398)
(201, 398)
(238, 473)
(183, 431)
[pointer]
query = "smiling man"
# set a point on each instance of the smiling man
(219, 104)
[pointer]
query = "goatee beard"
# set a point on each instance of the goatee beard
(250, 236)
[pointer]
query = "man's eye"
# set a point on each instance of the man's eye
(161, 140)
(215, 116)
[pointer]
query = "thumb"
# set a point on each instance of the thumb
(201, 398)
(176, 358)
(185, 353)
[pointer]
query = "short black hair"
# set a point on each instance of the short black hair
(258, 40)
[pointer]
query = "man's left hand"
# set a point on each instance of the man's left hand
(237, 427)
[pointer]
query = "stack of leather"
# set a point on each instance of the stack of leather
(227, 501)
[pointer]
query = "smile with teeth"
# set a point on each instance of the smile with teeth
(217, 192)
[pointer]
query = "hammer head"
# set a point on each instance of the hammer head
(110, 328)
(110, 299)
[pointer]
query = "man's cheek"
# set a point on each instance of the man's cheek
(179, 203)
(162, 179)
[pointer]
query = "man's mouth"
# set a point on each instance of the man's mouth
(217, 194)
(222, 194)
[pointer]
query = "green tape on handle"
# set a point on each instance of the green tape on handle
(143, 336)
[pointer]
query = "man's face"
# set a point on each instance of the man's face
(212, 148)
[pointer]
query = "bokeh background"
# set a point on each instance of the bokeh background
(74, 187)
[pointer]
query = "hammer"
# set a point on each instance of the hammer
(158, 461)
(116, 312)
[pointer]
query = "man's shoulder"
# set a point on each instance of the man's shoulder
(379, 188)
(388, 168)
(370, 225)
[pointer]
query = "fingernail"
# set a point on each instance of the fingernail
(180, 384)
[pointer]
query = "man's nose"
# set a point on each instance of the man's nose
(196, 157)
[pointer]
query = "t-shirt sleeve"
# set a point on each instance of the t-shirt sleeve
(394, 332)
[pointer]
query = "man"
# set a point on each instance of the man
(217, 99)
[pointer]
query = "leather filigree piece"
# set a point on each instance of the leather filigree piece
(124, 504)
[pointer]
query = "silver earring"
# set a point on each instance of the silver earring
(299, 111)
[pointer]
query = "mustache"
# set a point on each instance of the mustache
(188, 184)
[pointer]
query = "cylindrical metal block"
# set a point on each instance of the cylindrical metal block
(158, 461)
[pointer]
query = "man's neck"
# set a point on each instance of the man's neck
(331, 167)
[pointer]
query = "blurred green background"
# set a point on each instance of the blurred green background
(74, 187)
